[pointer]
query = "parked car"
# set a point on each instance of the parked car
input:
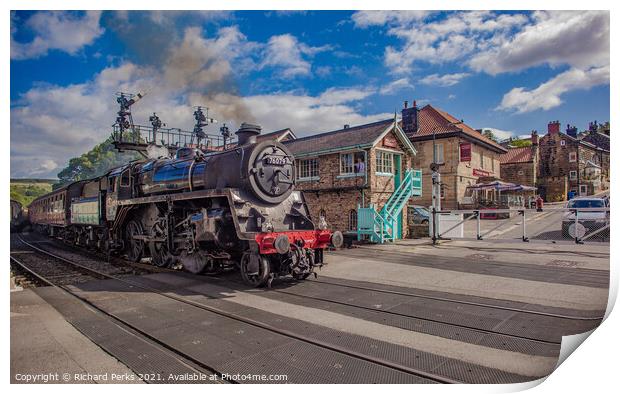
(590, 220)
(418, 214)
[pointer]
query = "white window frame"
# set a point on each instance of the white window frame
(308, 169)
(439, 159)
(347, 168)
(352, 220)
(584, 193)
(562, 142)
(572, 175)
(482, 160)
(572, 157)
(384, 162)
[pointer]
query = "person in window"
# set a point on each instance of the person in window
(360, 167)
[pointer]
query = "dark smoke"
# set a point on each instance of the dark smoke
(190, 64)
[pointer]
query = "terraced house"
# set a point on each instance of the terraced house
(572, 164)
(356, 167)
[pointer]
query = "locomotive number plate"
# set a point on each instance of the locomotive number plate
(276, 160)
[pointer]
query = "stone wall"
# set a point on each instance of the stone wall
(455, 174)
(520, 173)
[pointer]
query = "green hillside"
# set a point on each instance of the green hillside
(26, 190)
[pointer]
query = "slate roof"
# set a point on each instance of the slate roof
(274, 135)
(431, 118)
(517, 155)
(597, 139)
(339, 139)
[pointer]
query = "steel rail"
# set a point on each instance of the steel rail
(133, 329)
(549, 314)
(265, 326)
(463, 326)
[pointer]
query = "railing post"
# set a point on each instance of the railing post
(478, 237)
(434, 226)
(524, 236)
(577, 240)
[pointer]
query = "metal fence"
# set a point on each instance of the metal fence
(579, 226)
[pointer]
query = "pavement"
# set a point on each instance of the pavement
(368, 269)
(47, 349)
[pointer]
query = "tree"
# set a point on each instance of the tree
(521, 143)
(94, 163)
(489, 134)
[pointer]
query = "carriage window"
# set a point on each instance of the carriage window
(125, 178)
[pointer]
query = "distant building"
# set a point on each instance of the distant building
(569, 164)
(465, 156)
(520, 165)
(361, 165)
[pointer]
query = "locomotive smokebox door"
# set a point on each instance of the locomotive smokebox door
(271, 172)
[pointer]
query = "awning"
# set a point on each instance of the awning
(501, 186)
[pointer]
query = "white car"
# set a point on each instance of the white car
(588, 221)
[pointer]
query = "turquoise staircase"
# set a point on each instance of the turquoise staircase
(382, 226)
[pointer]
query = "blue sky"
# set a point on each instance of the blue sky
(311, 71)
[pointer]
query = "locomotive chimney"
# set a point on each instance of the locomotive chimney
(247, 133)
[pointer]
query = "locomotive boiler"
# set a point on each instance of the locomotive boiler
(201, 211)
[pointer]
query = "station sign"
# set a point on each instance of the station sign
(465, 151)
(479, 172)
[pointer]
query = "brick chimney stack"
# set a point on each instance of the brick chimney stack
(553, 127)
(534, 137)
(571, 130)
(410, 118)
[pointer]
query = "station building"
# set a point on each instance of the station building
(465, 156)
(352, 167)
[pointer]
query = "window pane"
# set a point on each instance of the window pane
(346, 163)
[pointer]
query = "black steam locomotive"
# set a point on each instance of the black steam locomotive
(203, 212)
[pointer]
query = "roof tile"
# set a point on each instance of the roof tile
(431, 118)
(516, 155)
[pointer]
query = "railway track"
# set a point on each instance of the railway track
(507, 340)
(44, 268)
(313, 344)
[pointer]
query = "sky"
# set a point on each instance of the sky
(312, 71)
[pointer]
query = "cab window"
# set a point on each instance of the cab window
(112, 184)
(125, 178)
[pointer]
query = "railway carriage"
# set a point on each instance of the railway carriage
(203, 212)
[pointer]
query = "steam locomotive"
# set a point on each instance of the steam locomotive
(202, 212)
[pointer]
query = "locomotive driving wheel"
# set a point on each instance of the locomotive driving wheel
(135, 247)
(255, 269)
(160, 255)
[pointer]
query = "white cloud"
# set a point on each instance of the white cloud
(548, 95)
(64, 31)
(500, 134)
(344, 95)
(396, 86)
(449, 39)
(577, 38)
(285, 53)
(443, 80)
(365, 19)
(305, 114)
